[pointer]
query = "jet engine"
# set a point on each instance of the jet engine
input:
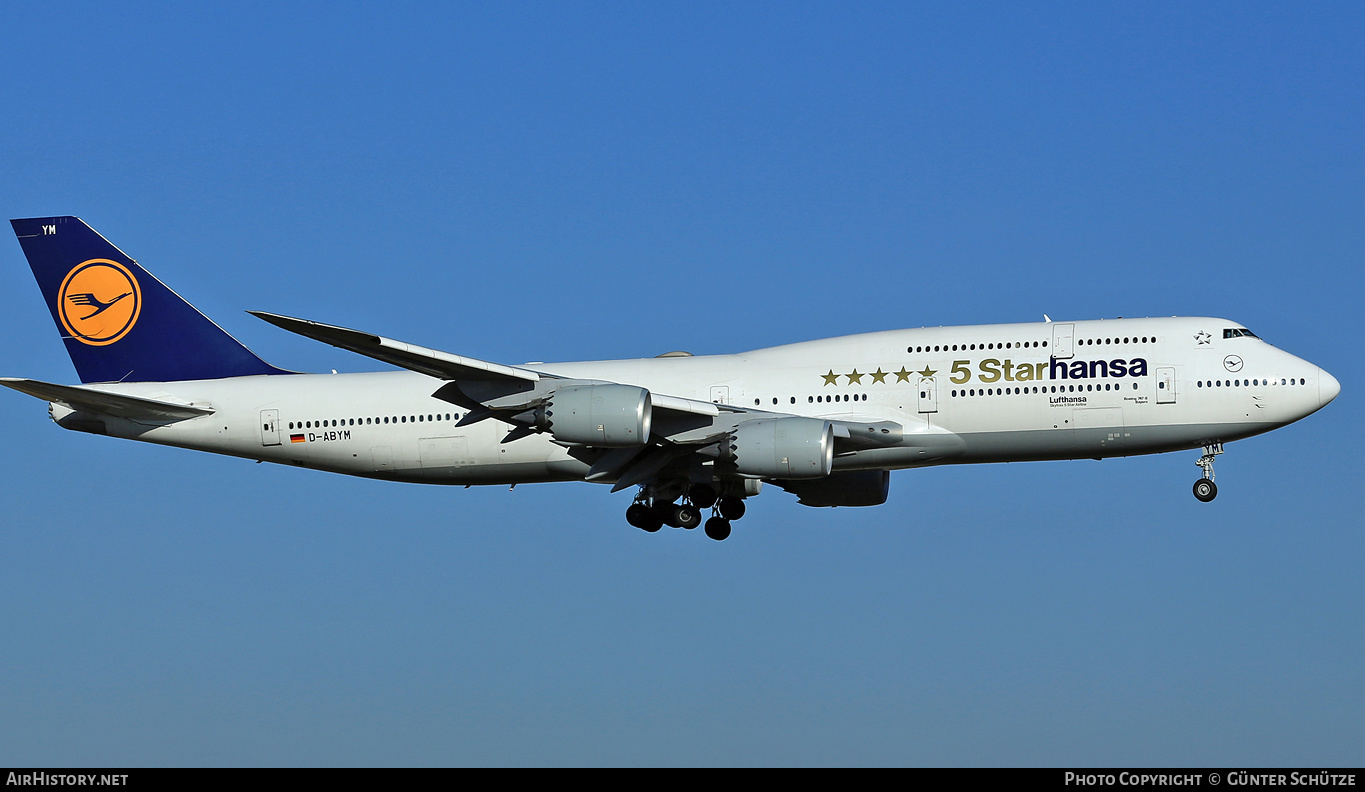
(788, 448)
(605, 415)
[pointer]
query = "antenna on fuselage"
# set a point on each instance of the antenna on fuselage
(1047, 319)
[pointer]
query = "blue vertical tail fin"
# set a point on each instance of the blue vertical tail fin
(119, 323)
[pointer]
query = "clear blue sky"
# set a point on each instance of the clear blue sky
(549, 181)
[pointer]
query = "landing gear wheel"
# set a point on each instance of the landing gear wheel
(685, 516)
(644, 518)
(731, 508)
(1205, 490)
(718, 528)
(702, 496)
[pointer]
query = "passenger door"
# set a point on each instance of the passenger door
(1165, 385)
(270, 427)
(1062, 341)
(928, 395)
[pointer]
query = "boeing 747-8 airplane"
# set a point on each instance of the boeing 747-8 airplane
(826, 420)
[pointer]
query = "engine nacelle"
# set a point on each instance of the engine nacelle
(598, 415)
(783, 448)
(845, 488)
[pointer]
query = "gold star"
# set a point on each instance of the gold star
(928, 372)
(879, 376)
(831, 378)
(902, 375)
(854, 377)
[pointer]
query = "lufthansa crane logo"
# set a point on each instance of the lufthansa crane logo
(99, 302)
(1232, 363)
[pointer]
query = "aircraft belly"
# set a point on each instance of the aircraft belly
(917, 449)
(506, 473)
(1098, 441)
(477, 456)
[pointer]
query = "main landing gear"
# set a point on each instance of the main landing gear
(652, 518)
(727, 509)
(652, 510)
(1204, 489)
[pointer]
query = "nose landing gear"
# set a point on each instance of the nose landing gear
(1204, 489)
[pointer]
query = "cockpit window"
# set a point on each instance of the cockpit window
(1238, 332)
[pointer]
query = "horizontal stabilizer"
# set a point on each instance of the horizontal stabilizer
(431, 362)
(115, 404)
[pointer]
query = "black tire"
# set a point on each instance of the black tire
(644, 518)
(685, 516)
(1205, 490)
(718, 528)
(661, 514)
(731, 508)
(702, 496)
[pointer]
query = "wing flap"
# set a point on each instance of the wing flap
(116, 404)
(431, 362)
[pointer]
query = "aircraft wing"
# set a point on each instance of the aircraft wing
(520, 397)
(678, 404)
(446, 366)
(115, 404)
(431, 362)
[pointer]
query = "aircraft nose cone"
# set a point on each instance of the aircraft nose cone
(1328, 387)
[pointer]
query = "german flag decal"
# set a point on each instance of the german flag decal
(298, 438)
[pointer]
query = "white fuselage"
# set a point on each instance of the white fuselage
(985, 393)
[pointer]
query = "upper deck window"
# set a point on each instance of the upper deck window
(1238, 332)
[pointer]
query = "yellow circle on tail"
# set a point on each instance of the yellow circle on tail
(99, 302)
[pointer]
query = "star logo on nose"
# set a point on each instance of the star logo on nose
(1202, 338)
